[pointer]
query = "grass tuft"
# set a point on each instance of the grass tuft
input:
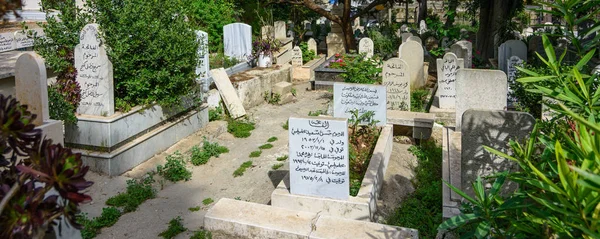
(277, 166)
(272, 139)
(175, 228)
(266, 146)
(255, 154)
(282, 158)
(207, 201)
(240, 171)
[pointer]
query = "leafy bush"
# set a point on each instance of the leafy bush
(239, 129)
(201, 156)
(255, 154)
(152, 48)
(362, 141)
(266, 146)
(211, 16)
(175, 228)
(202, 235)
(385, 46)
(30, 167)
(358, 69)
(307, 55)
(136, 193)
(174, 170)
(220, 60)
(418, 100)
(215, 114)
(240, 171)
(60, 109)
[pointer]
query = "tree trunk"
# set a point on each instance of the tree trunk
(491, 14)
(349, 41)
(452, 5)
(422, 11)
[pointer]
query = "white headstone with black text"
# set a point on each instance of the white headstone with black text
(365, 46)
(297, 56)
(319, 157)
(203, 66)
(94, 74)
(22, 40)
(447, 68)
(396, 78)
(7, 41)
(364, 98)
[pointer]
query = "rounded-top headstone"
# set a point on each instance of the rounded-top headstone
(396, 78)
(412, 53)
(31, 84)
(365, 46)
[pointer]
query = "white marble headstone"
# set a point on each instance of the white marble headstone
(365, 46)
(422, 27)
(508, 49)
(229, 95)
(405, 36)
(7, 41)
(415, 38)
(463, 49)
(364, 98)
(412, 53)
(31, 84)
(479, 89)
(396, 78)
(312, 45)
(297, 56)
(280, 30)
(94, 74)
(447, 69)
(319, 157)
(203, 67)
(237, 40)
(22, 41)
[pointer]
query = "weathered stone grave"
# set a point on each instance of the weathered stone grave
(312, 45)
(547, 112)
(447, 69)
(94, 74)
(203, 66)
(364, 98)
(297, 56)
(412, 53)
(228, 93)
(415, 38)
(479, 89)
(319, 164)
(6, 42)
(396, 78)
(365, 46)
(237, 40)
(267, 32)
(422, 27)
(31, 83)
(508, 49)
(280, 30)
(511, 67)
(463, 49)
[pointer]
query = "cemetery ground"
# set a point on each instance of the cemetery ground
(214, 180)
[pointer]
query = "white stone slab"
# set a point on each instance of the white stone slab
(31, 84)
(94, 74)
(312, 45)
(396, 78)
(479, 89)
(447, 70)
(237, 40)
(297, 56)
(6, 41)
(365, 46)
(318, 156)
(280, 30)
(364, 98)
(412, 53)
(228, 94)
(508, 49)
(203, 66)
(21, 40)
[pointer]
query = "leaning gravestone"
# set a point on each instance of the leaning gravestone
(297, 56)
(319, 157)
(396, 78)
(280, 30)
(312, 45)
(94, 74)
(203, 67)
(493, 129)
(6, 42)
(508, 49)
(479, 89)
(237, 40)
(228, 94)
(412, 53)
(365, 46)
(447, 69)
(415, 38)
(364, 98)
(512, 63)
(31, 85)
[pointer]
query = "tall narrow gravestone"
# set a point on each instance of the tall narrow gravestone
(94, 74)
(412, 53)
(365, 46)
(312, 45)
(447, 70)
(364, 98)
(479, 89)
(237, 40)
(31, 85)
(319, 163)
(511, 67)
(297, 56)
(396, 79)
(203, 67)
(280, 32)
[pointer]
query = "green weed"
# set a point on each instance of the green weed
(215, 114)
(282, 158)
(240, 129)
(277, 166)
(286, 125)
(175, 227)
(240, 171)
(266, 146)
(272, 139)
(201, 156)
(317, 113)
(207, 201)
(136, 193)
(255, 154)
(194, 209)
(91, 228)
(202, 234)
(174, 170)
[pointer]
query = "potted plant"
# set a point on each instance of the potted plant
(262, 52)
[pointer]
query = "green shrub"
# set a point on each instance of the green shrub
(211, 16)
(307, 55)
(418, 100)
(175, 228)
(215, 114)
(277, 166)
(240, 171)
(136, 193)
(272, 139)
(220, 60)
(201, 156)
(60, 109)
(174, 170)
(240, 129)
(202, 235)
(152, 48)
(266, 146)
(385, 46)
(207, 201)
(255, 154)
(358, 69)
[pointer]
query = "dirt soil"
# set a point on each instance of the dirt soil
(215, 180)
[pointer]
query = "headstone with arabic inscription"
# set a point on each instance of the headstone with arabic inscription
(396, 78)
(512, 63)
(7, 41)
(94, 74)
(297, 56)
(22, 40)
(364, 98)
(319, 157)
(203, 67)
(365, 46)
(447, 69)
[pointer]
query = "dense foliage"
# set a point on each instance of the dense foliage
(210, 16)
(30, 168)
(307, 55)
(358, 68)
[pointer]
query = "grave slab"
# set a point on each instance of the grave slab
(480, 89)
(361, 97)
(228, 93)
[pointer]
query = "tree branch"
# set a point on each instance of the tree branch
(368, 8)
(310, 4)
